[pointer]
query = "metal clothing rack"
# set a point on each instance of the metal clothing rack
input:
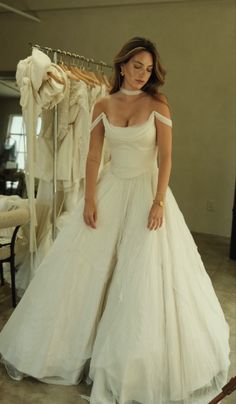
(53, 51)
(54, 56)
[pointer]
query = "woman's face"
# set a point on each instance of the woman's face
(137, 70)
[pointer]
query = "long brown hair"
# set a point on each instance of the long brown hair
(131, 48)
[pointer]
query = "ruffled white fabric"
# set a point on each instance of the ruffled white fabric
(137, 304)
(72, 147)
(38, 91)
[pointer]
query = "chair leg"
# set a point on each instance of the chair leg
(13, 281)
(1, 274)
(227, 389)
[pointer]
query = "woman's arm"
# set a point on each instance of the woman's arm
(164, 144)
(92, 166)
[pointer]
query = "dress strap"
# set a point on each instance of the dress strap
(163, 118)
(96, 121)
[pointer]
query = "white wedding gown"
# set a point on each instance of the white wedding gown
(136, 305)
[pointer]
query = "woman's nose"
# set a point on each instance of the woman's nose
(141, 73)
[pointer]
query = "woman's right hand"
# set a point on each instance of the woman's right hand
(90, 213)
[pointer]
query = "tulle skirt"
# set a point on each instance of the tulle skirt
(137, 305)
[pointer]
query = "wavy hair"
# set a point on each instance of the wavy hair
(131, 48)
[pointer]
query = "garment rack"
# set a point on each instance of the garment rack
(54, 57)
(70, 54)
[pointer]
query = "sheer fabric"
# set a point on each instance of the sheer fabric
(135, 304)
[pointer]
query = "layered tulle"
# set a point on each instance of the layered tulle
(163, 337)
(136, 305)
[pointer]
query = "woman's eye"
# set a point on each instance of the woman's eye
(137, 67)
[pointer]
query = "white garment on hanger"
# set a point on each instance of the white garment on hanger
(73, 137)
(38, 90)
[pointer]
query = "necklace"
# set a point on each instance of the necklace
(130, 92)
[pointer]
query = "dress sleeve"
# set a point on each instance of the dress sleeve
(163, 118)
(96, 121)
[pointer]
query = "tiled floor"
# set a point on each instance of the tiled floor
(214, 252)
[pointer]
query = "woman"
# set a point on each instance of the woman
(124, 289)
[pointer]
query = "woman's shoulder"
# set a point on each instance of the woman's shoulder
(100, 106)
(161, 105)
(102, 103)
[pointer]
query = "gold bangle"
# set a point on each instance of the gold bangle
(160, 203)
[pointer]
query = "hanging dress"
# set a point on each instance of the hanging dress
(137, 304)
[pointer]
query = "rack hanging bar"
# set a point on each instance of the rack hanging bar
(72, 55)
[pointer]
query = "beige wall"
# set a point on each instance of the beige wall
(196, 41)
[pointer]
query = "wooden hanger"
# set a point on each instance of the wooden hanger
(63, 66)
(77, 71)
(102, 76)
(90, 73)
(56, 78)
(106, 80)
(83, 75)
(99, 76)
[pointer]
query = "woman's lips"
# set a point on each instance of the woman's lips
(140, 81)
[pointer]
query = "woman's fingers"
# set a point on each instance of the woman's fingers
(87, 221)
(93, 220)
(158, 223)
(95, 216)
(155, 217)
(90, 219)
(154, 223)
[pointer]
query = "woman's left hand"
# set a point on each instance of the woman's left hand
(155, 217)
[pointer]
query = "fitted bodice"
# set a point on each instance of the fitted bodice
(133, 148)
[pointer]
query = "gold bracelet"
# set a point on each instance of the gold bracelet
(160, 203)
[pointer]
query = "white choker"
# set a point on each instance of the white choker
(130, 92)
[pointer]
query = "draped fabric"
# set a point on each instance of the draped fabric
(40, 92)
(135, 305)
